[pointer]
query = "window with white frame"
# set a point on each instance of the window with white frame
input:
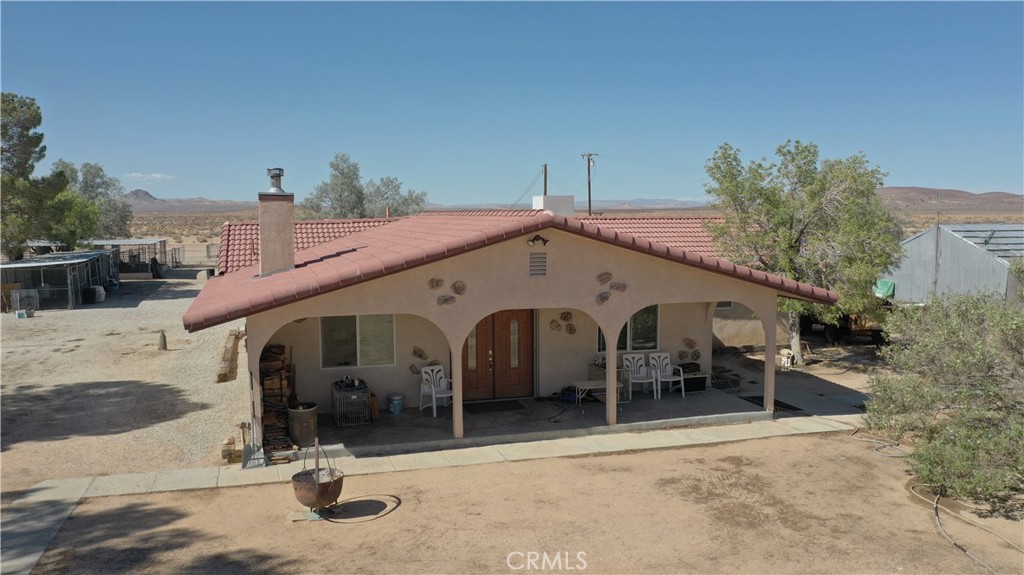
(351, 340)
(639, 334)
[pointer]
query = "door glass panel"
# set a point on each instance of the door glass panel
(513, 343)
(471, 350)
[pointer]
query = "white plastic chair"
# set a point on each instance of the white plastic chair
(638, 372)
(434, 385)
(665, 371)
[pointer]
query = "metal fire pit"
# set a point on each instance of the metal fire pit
(318, 487)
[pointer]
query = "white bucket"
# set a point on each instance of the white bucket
(101, 294)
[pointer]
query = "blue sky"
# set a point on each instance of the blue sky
(466, 101)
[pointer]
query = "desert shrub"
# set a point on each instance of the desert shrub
(958, 389)
(977, 455)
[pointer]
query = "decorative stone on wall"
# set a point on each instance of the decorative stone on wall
(565, 316)
(458, 288)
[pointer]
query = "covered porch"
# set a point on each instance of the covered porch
(377, 304)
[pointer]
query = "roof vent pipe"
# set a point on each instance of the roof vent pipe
(275, 180)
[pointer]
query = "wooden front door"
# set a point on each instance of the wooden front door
(497, 360)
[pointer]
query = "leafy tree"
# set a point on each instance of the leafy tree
(387, 196)
(74, 218)
(341, 196)
(814, 221)
(114, 213)
(344, 195)
(958, 387)
(22, 145)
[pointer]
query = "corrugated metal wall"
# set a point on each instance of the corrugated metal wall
(963, 268)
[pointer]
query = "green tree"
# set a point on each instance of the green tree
(387, 196)
(114, 213)
(74, 219)
(345, 195)
(22, 144)
(957, 386)
(814, 221)
(27, 205)
(341, 196)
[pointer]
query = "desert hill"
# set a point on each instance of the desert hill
(914, 200)
(143, 202)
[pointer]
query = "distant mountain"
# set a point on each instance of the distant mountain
(143, 202)
(907, 199)
(915, 200)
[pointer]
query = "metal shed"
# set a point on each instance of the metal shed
(60, 280)
(958, 259)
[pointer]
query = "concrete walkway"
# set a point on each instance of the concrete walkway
(30, 524)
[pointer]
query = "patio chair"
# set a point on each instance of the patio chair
(665, 371)
(638, 372)
(434, 385)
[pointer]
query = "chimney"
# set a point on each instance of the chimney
(277, 226)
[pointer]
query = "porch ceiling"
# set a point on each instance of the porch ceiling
(429, 237)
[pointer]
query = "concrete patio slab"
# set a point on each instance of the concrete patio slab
(58, 489)
(427, 460)
(812, 425)
(234, 476)
(367, 465)
(106, 485)
(181, 479)
(474, 456)
(543, 449)
(628, 441)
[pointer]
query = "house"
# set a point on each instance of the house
(957, 259)
(512, 303)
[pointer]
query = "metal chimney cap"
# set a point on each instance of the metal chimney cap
(275, 181)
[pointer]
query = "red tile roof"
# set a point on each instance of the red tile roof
(417, 240)
(240, 241)
(688, 233)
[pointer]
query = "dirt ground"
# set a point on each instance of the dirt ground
(806, 504)
(86, 391)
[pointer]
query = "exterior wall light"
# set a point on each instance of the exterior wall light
(537, 238)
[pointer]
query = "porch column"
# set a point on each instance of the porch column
(457, 429)
(768, 321)
(611, 387)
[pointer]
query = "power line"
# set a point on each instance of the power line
(527, 190)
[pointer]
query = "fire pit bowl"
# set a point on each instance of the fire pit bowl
(318, 488)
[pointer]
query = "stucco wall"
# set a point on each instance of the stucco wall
(312, 382)
(739, 326)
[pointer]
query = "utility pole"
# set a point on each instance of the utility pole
(545, 179)
(590, 162)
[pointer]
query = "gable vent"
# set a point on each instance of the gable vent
(538, 264)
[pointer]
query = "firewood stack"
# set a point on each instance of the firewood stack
(276, 376)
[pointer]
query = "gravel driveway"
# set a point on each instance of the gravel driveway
(87, 392)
